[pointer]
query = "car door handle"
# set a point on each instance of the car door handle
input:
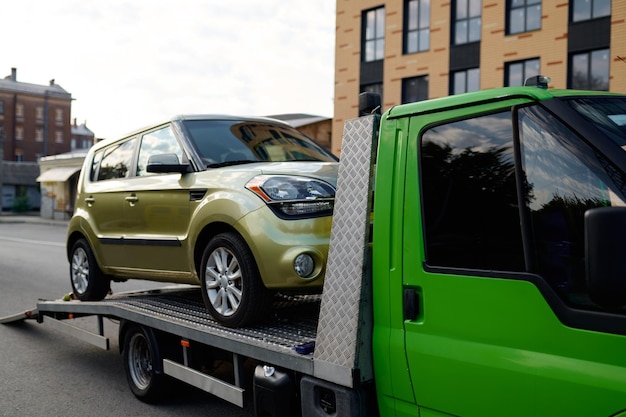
(90, 201)
(132, 200)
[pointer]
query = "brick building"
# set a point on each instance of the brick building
(411, 50)
(34, 123)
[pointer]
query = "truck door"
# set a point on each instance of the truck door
(498, 331)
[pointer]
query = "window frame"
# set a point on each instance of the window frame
(511, 8)
(590, 71)
(591, 16)
(468, 19)
(466, 73)
(419, 30)
(418, 78)
(377, 39)
(525, 75)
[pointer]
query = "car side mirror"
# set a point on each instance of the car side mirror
(605, 252)
(166, 163)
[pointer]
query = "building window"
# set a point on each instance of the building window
(417, 26)
(39, 113)
(19, 133)
(73, 144)
(19, 155)
(465, 81)
(415, 89)
(373, 88)
(374, 34)
(58, 137)
(517, 72)
(19, 110)
(467, 21)
(590, 70)
(589, 9)
(1, 107)
(39, 135)
(58, 115)
(523, 16)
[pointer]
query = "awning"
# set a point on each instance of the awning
(60, 174)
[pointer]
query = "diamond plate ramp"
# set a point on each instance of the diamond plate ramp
(343, 338)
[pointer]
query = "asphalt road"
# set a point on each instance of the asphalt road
(44, 373)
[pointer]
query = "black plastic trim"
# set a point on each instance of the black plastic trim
(139, 242)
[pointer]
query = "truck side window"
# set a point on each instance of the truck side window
(471, 214)
(565, 178)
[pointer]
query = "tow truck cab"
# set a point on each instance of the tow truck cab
(498, 244)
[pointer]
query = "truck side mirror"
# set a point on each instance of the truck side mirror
(605, 250)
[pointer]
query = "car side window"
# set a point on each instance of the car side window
(157, 142)
(95, 165)
(470, 208)
(117, 161)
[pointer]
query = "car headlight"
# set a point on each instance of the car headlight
(294, 197)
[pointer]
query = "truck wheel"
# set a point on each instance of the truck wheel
(141, 359)
(231, 285)
(88, 282)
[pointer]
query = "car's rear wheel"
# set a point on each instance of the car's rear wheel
(231, 284)
(88, 281)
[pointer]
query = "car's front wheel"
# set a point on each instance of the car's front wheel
(88, 282)
(231, 285)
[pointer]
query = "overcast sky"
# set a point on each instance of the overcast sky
(128, 64)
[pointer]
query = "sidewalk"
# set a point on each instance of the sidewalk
(30, 217)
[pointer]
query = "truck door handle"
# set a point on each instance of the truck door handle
(411, 304)
(90, 201)
(132, 200)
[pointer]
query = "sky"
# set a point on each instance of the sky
(128, 64)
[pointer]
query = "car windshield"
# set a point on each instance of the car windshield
(607, 113)
(231, 142)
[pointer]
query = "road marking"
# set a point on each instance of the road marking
(34, 242)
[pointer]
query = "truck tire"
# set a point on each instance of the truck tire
(231, 284)
(142, 363)
(88, 281)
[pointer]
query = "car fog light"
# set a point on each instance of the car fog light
(304, 265)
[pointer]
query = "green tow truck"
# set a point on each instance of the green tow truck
(477, 268)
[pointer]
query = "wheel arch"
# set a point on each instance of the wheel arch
(71, 240)
(205, 235)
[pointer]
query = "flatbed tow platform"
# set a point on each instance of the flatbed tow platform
(284, 340)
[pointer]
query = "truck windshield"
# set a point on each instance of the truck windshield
(607, 113)
(564, 177)
(231, 142)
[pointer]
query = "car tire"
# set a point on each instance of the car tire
(88, 281)
(231, 284)
(142, 361)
